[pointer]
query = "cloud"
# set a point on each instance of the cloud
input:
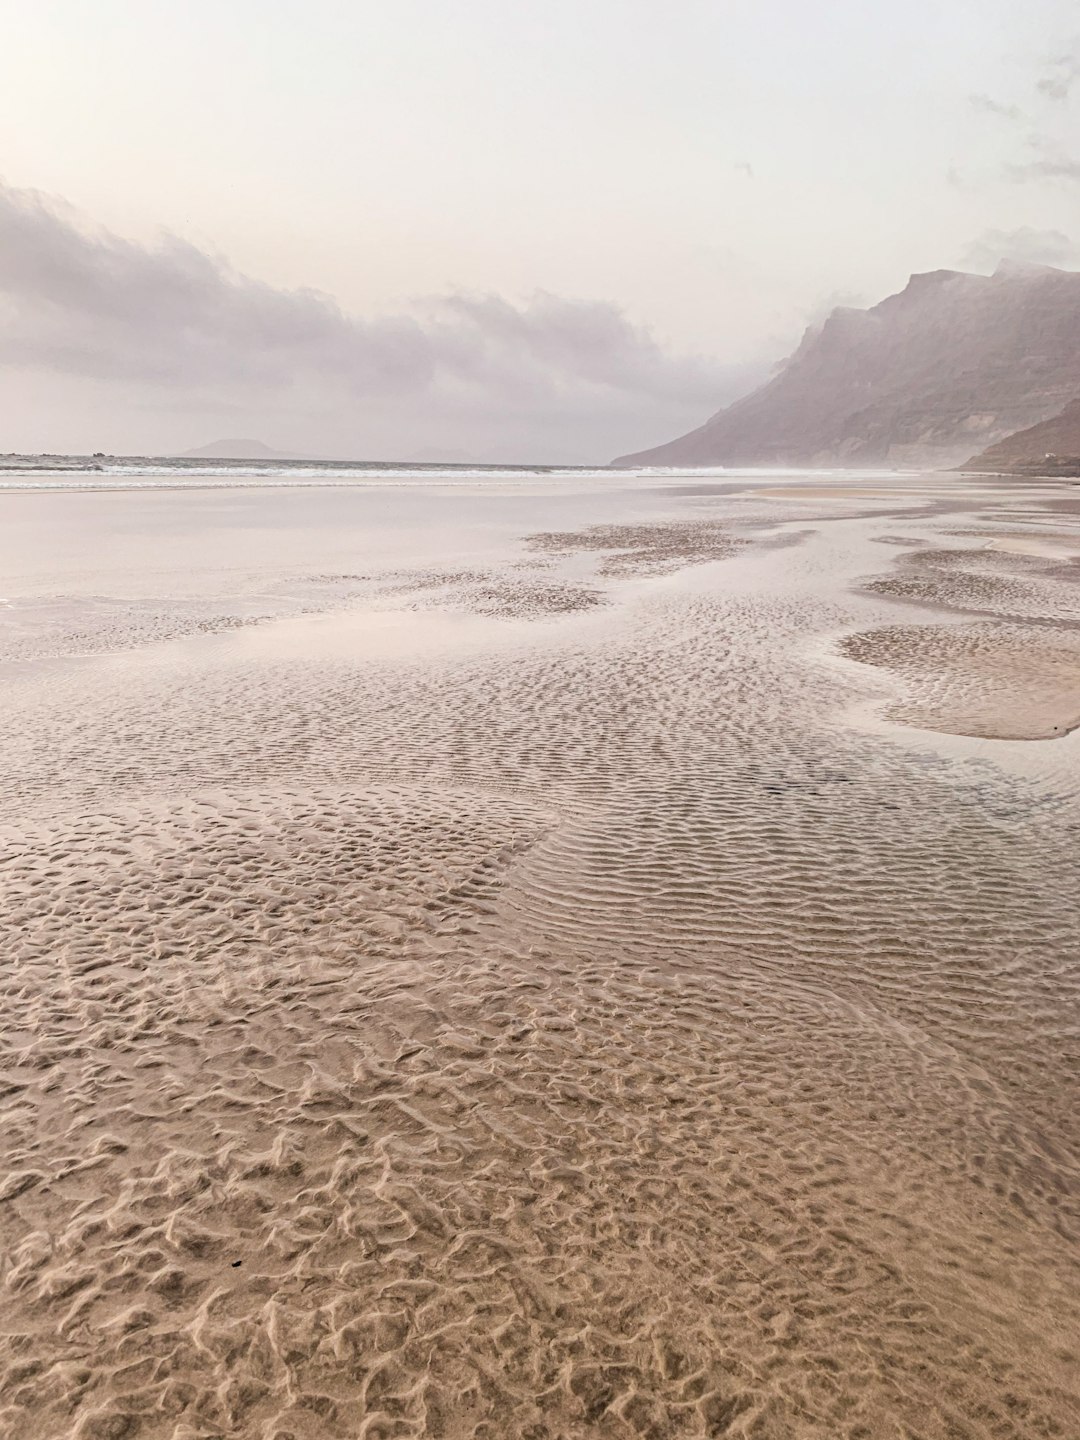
(89, 302)
(989, 106)
(563, 342)
(86, 302)
(1034, 247)
(1061, 74)
(1049, 160)
(1051, 164)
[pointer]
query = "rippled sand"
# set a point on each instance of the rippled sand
(552, 963)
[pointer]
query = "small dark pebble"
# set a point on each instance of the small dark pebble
(236, 1264)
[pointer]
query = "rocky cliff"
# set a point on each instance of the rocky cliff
(1050, 447)
(954, 361)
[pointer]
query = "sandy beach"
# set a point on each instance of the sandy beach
(541, 957)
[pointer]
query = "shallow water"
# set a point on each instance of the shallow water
(541, 959)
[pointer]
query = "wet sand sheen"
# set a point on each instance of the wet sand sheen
(514, 999)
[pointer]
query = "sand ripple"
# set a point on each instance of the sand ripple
(597, 1036)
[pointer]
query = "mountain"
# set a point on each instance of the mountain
(239, 450)
(1051, 445)
(952, 361)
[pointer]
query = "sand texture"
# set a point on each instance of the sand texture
(1011, 674)
(606, 969)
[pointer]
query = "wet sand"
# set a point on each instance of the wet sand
(583, 959)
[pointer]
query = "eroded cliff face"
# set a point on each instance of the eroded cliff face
(952, 363)
(1052, 445)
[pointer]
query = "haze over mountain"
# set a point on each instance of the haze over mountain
(952, 361)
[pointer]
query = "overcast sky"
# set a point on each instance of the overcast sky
(532, 229)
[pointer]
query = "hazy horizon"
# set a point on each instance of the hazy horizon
(551, 235)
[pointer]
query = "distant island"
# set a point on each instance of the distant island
(241, 450)
(952, 365)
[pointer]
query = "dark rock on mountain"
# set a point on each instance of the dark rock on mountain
(951, 362)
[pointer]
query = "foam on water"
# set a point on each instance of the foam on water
(120, 473)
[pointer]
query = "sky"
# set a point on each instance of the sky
(551, 230)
